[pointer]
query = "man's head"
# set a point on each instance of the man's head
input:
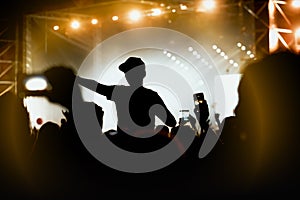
(134, 69)
(61, 79)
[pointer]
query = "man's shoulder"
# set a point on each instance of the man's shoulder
(148, 91)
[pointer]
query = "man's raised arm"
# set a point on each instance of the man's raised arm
(93, 85)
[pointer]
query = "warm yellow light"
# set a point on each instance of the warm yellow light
(296, 3)
(94, 21)
(209, 4)
(156, 11)
(36, 83)
(135, 15)
(297, 32)
(273, 39)
(183, 7)
(56, 27)
(115, 18)
(75, 24)
(297, 38)
(271, 8)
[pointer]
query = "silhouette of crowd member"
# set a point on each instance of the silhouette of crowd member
(61, 79)
(134, 104)
(202, 112)
(61, 161)
(15, 146)
(258, 148)
(271, 115)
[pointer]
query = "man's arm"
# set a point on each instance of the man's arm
(93, 85)
(88, 83)
(170, 119)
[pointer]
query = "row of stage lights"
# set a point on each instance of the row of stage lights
(136, 15)
(190, 49)
(231, 61)
(224, 55)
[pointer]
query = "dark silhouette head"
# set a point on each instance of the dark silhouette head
(268, 112)
(61, 79)
(134, 69)
(131, 63)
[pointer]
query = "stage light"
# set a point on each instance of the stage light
(296, 3)
(273, 39)
(115, 18)
(94, 21)
(75, 24)
(156, 12)
(209, 4)
(135, 15)
(36, 83)
(235, 64)
(183, 7)
(297, 38)
(56, 27)
(271, 9)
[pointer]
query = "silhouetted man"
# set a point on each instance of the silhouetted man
(136, 105)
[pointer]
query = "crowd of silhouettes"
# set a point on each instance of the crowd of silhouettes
(256, 154)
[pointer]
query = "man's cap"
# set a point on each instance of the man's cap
(131, 63)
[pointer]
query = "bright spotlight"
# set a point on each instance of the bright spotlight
(273, 39)
(56, 27)
(75, 24)
(135, 15)
(94, 21)
(297, 33)
(36, 83)
(296, 3)
(115, 18)
(209, 4)
(156, 12)
(183, 7)
(297, 38)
